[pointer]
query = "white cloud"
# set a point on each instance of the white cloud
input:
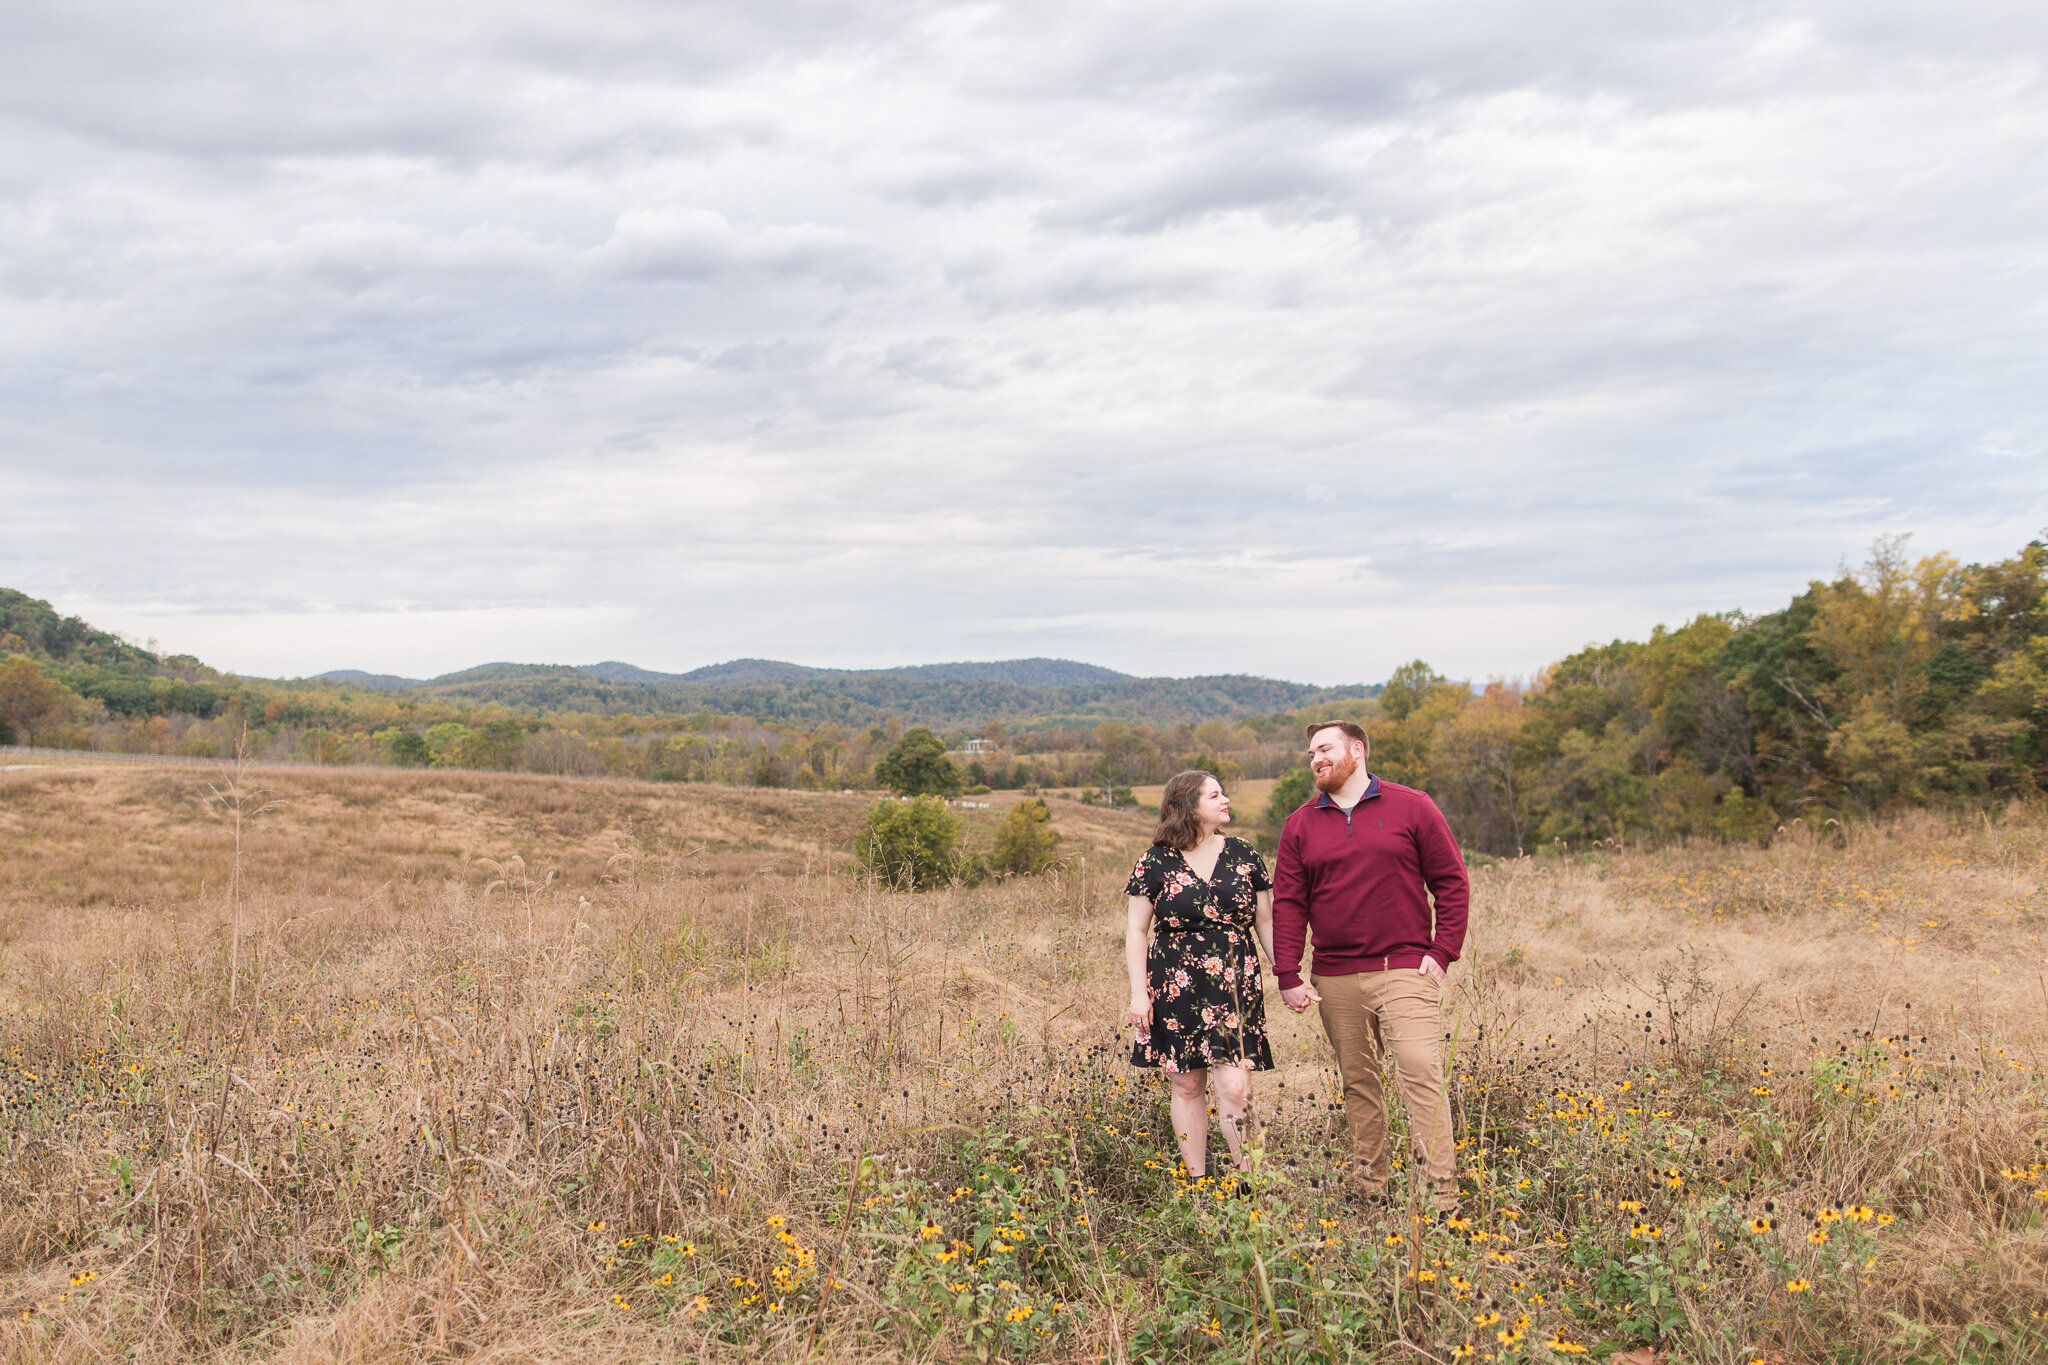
(1299, 340)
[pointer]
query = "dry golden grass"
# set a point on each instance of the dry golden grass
(503, 1047)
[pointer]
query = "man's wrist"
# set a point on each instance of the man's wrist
(1289, 980)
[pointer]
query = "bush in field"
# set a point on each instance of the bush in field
(1026, 842)
(918, 766)
(912, 844)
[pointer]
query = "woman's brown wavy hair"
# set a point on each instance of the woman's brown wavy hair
(1179, 826)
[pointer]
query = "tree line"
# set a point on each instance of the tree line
(1902, 682)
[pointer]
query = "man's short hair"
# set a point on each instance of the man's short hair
(1351, 728)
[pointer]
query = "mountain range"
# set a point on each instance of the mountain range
(1016, 691)
(1022, 672)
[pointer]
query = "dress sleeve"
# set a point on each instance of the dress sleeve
(1262, 880)
(1144, 879)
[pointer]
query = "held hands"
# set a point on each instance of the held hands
(1299, 998)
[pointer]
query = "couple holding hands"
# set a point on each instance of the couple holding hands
(1357, 868)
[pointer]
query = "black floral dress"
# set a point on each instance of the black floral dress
(1208, 997)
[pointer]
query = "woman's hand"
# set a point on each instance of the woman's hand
(1141, 1012)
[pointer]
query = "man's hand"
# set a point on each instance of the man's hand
(1431, 968)
(1299, 998)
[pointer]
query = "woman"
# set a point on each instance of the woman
(1197, 901)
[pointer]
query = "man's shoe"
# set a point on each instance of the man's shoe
(1367, 1198)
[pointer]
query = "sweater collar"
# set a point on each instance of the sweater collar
(1372, 789)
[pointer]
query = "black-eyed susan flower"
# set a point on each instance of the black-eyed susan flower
(1760, 1226)
(1798, 1286)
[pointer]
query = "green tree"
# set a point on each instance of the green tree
(1408, 686)
(408, 749)
(29, 699)
(1026, 841)
(918, 766)
(494, 744)
(1288, 794)
(910, 844)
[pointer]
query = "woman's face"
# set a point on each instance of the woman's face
(1212, 807)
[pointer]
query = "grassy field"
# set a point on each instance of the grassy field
(518, 1069)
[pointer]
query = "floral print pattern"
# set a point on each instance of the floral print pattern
(1208, 997)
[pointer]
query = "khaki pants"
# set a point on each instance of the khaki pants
(1365, 1013)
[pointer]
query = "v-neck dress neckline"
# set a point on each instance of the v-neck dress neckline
(1210, 880)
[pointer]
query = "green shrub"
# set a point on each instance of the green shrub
(1026, 842)
(911, 844)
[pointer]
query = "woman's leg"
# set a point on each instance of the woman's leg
(1190, 1109)
(1233, 1109)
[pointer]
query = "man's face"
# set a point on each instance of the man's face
(1333, 757)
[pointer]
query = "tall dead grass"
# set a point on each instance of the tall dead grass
(498, 1050)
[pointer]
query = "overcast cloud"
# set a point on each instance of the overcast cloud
(1297, 339)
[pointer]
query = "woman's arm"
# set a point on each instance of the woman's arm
(1262, 923)
(1137, 939)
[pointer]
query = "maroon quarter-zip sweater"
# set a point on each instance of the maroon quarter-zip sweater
(1359, 880)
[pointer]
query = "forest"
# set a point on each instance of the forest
(1901, 682)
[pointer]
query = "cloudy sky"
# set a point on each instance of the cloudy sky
(1294, 339)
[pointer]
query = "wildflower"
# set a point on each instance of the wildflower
(1486, 1319)
(1630, 1206)
(928, 1231)
(1861, 1213)
(1797, 1286)
(1569, 1347)
(668, 1278)
(619, 1302)
(1645, 1231)
(1883, 1218)
(1213, 1328)
(1760, 1226)
(1817, 1236)
(1759, 1090)
(1828, 1215)
(776, 1220)
(596, 1226)
(1393, 1239)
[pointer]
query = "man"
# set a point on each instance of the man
(1357, 867)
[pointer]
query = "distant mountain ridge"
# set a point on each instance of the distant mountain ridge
(1036, 672)
(1036, 691)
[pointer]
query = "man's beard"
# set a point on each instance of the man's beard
(1336, 775)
